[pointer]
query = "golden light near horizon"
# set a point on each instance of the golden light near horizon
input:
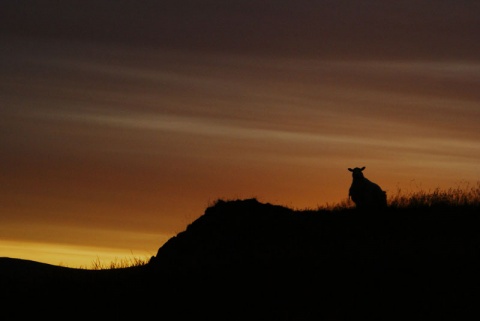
(113, 140)
(72, 256)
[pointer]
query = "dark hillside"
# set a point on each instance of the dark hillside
(244, 259)
(419, 262)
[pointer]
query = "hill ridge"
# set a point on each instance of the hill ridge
(243, 256)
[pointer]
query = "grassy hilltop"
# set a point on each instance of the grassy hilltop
(242, 259)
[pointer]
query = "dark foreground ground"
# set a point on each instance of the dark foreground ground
(244, 260)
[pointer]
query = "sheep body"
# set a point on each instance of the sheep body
(365, 193)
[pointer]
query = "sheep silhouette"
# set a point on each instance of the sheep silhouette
(365, 193)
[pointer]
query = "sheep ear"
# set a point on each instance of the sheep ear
(351, 170)
(362, 168)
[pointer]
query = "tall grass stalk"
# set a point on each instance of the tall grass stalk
(119, 263)
(458, 196)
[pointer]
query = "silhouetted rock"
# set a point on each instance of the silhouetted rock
(409, 263)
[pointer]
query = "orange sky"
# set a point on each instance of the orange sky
(121, 123)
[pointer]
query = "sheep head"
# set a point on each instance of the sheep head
(357, 172)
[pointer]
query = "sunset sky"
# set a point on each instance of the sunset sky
(121, 121)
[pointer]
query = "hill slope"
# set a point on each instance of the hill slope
(244, 259)
(417, 262)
